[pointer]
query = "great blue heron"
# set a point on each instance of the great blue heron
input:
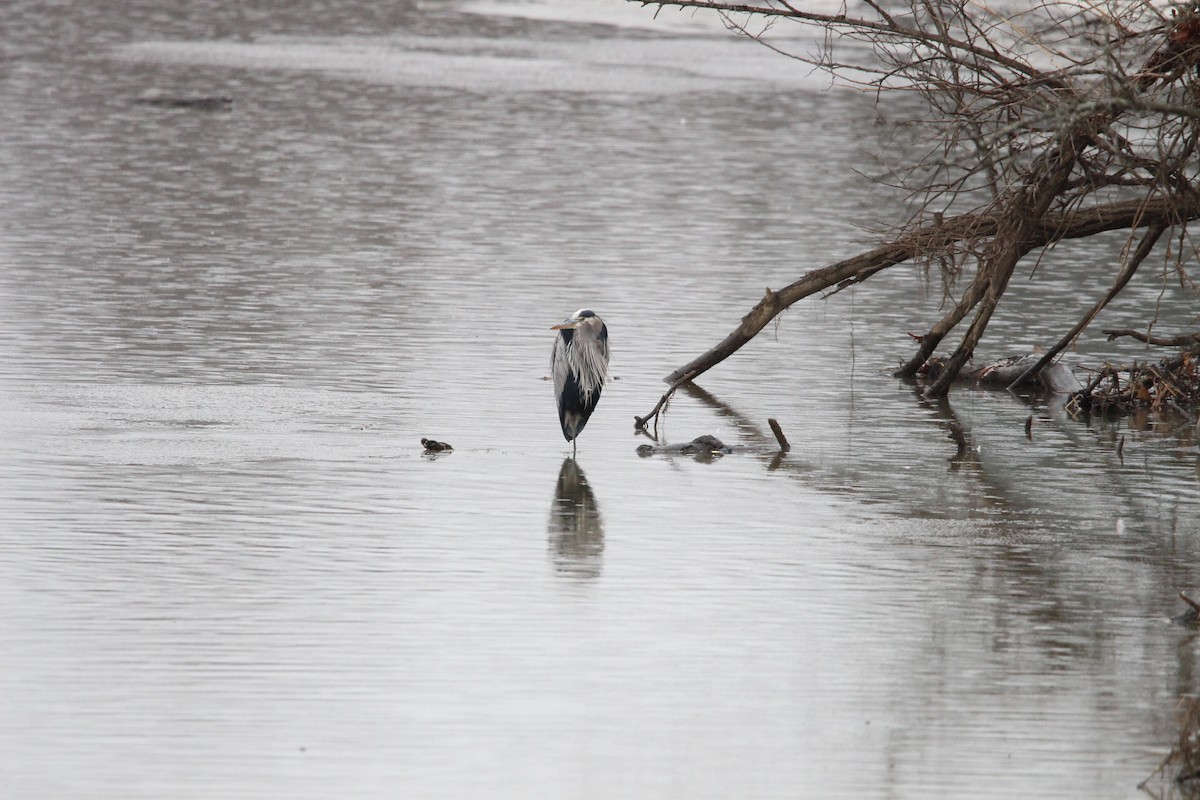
(579, 366)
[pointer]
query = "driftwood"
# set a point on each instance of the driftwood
(1173, 382)
(779, 437)
(1012, 372)
(701, 445)
(708, 445)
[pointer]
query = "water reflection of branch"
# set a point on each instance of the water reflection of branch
(996, 491)
(744, 424)
(725, 410)
(967, 455)
(576, 530)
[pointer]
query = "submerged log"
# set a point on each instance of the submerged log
(711, 445)
(701, 445)
(706, 445)
(1002, 374)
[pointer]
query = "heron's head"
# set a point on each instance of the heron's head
(584, 316)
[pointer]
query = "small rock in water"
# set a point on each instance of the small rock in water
(434, 446)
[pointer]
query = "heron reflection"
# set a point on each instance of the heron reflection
(576, 531)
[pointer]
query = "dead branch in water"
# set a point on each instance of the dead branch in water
(639, 423)
(1183, 340)
(1173, 383)
(778, 431)
(706, 445)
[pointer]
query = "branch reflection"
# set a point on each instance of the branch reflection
(576, 531)
(745, 426)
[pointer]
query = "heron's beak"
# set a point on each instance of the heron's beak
(566, 323)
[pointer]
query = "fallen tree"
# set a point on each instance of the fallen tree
(1045, 123)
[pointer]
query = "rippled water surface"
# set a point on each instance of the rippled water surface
(229, 570)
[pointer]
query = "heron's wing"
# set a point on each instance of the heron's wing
(559, 368)
(602, 343)
(575, 405)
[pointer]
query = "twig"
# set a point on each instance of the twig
(639, 423)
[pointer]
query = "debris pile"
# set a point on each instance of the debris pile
(1173, 383)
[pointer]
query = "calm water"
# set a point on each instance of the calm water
(229, 571)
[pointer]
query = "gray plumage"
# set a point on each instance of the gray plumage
(579, 366)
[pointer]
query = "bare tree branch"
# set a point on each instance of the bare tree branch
(887, 25)
(1183, 340)
(1048, 121)
(1051, 228)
